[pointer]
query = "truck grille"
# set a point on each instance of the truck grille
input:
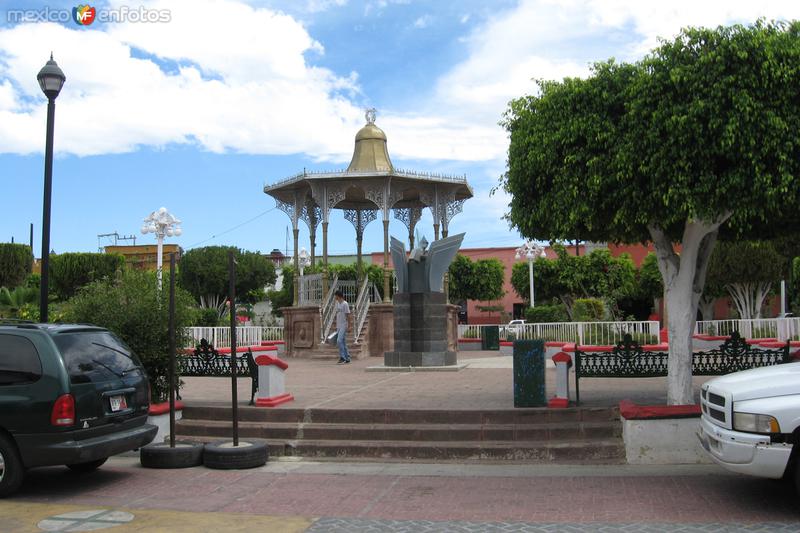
(714, 406)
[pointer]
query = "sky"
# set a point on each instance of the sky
(202, 105)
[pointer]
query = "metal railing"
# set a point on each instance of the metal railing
(782, 329)
(327, 310)
(586, 333)
(310, 289)
(220, 337)
(361, 308)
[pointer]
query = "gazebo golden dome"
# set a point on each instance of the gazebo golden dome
(370, 153)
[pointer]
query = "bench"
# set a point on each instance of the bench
(629, 360)
(205, 361)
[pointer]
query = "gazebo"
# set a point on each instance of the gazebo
(370, 187)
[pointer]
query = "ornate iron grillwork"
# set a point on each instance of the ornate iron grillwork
(206, 361)
(628, 360)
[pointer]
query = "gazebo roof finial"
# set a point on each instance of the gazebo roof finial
(370, 113)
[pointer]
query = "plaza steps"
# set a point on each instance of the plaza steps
(568, 436)
(330, 352)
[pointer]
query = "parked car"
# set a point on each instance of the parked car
(70, 395)
(516, 326)
(750, 421)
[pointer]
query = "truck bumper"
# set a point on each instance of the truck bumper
(73, 447)
(744, 453)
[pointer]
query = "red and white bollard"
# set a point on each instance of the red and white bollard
(271, 383)
(563, 362)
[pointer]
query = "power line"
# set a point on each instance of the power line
(237, 226)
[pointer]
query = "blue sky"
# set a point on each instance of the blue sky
(198, 113)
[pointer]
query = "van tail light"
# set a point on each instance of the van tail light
(63, 413)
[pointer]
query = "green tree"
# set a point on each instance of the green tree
(746, 270)
(71, 271)
(15, 264)
(129, 305)
(696, 141)
(204, 273)
(480, 280)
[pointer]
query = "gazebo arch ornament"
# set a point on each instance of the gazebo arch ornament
(360, 218)
(311, 215)
(408, 216)
(431, 200)
(450, 209)
(295, 210)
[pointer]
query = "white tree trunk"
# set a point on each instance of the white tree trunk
(748, 297)
(684, 278)
(707, 307)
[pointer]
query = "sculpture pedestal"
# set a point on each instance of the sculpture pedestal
(420, 331)
(301, 329)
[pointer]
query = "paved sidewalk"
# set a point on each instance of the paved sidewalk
(356, 497)
(485, 384)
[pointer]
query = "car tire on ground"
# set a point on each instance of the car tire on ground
(89, 466)
(222, 455)
(160, 455)
(12, 471)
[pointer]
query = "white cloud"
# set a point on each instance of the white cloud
(247, 87)
(423, 22)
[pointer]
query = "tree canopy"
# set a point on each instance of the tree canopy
(204, 273)
(480, 280)
(71, 271)
(695, 142)
(15, 264)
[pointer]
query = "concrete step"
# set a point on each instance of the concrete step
(610, 451)
(197, 411)
(405, 432)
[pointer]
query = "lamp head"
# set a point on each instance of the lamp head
(51, 79)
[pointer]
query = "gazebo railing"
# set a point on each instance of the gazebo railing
(361, 308)
(310, 290)
(328, 308)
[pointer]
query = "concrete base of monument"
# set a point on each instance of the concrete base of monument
(448, 368)
(443, 358)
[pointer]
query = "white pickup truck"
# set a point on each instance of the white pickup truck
(750, 421)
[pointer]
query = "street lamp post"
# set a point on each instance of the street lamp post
(163, 224)
(51, 80)
(530, 250)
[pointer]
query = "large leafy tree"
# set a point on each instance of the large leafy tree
(480, 280)
(569, 277)
(204, 273)
(71, 271)
(15, 264)
(746, 270)
(695, 142)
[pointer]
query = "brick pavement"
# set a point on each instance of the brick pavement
(459, 498)
(487, 385)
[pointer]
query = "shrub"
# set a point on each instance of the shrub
(71, 271)
(131, 307)
(588, 310)
(16, 262)
(546, 313)
(207, 318)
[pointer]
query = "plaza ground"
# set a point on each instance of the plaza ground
(298, 495)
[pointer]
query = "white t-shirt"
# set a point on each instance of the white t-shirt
(342, 310)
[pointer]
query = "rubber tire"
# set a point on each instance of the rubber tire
(14, 471)
(797, 474)
(220, 458)
(160, 455)
(89, 466)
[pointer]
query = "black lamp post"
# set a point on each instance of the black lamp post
(51, 79)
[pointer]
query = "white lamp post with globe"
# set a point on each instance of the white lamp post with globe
(530, 251)
(163, 224)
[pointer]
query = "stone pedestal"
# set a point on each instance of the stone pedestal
(301, 329)
(421, 331)
(380, 338)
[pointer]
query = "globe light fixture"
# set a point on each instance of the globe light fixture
(51, 80)
(530, 251)
(163, 224)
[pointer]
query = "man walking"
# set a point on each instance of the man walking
(342, 319)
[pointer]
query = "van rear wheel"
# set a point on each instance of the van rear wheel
(88, 466)
(11, 470)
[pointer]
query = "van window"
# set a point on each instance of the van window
(19, 360)
(92, 356)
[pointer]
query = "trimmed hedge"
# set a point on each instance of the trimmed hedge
(71, 271)
(546, 313)
(16, 261)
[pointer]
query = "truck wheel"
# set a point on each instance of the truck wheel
(11, 470)
(223, 456)
(797, 476)
(89, 466)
